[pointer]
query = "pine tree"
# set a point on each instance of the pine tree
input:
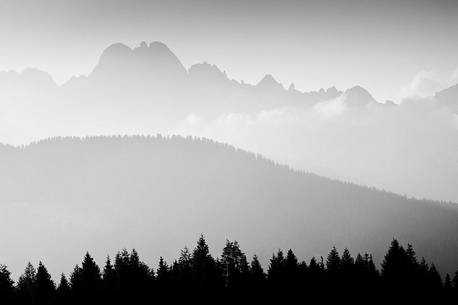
(86, 282)
(109, 280)
(45, 287)
(291, 271)
(395, 267)
(370, 266)
(347, 262)
(183, 269)
(411, 255)
(141, 277)
(76, 279)
(90, 272)
(204, 269)
(276, 271)
(234, 265)
(185, 257)
(6, 286)
(26, 285)
(435, 281)
(291, 262)
(162, 273)
(257, 275)
(63, 291)
(333, 261)
(108, 271)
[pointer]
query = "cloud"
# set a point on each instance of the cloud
(332, 108)
(409, 149)
(424, 84)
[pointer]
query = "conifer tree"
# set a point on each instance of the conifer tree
(109, 280)
(257, 275)
(63, 291)
(108, 271)
(435, 281)
(26, 285)
(276, 271)
(234, 265)
(291, 270)
(347, 262)
(205, 273)
(333, 261)
(183, 269)
(45, 287)
(162, 273)
(7, 294)
(395, 266)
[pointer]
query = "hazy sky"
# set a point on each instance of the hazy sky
(380, 45)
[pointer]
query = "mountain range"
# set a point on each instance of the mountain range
(140, 87)
(149, 83)
(344, 134)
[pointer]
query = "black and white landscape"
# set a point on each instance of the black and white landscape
(149, 149)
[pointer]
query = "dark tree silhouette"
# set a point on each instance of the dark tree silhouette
(205, 273)
(44, 286)
(333, 262)
(197, 276)
(235, 266)
(86, 282)
(257, 278)
(276, 271)
(7, 294)
(63, 291)
(26, 285)
(163, 275)
(110, 282)
(292, 272)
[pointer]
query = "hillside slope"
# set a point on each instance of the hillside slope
(151, 193)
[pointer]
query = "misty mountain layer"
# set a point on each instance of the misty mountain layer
(408, 148)
(63, 196)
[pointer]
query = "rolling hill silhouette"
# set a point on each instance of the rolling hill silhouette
(154, 193)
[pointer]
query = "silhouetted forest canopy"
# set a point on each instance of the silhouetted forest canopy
(196, 275)
(104, 191)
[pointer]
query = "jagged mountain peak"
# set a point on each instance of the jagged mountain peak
(269, 82)
(358, 96)
(155, 59)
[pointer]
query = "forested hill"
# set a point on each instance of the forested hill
(156, 194)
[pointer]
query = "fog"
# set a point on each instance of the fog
(65, 196)
(408, 147)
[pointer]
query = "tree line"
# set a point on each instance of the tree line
(196, 275)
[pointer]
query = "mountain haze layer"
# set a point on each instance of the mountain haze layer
(408, 148)
(69, 195)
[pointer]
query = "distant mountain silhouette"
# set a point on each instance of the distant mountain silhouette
(268, 82)
(147, 90)
(150, 86)
(358, 97)
(28, 79)
(144, 63)
(104, 193)
(448, 98)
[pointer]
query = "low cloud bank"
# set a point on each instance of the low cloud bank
(409, 149)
